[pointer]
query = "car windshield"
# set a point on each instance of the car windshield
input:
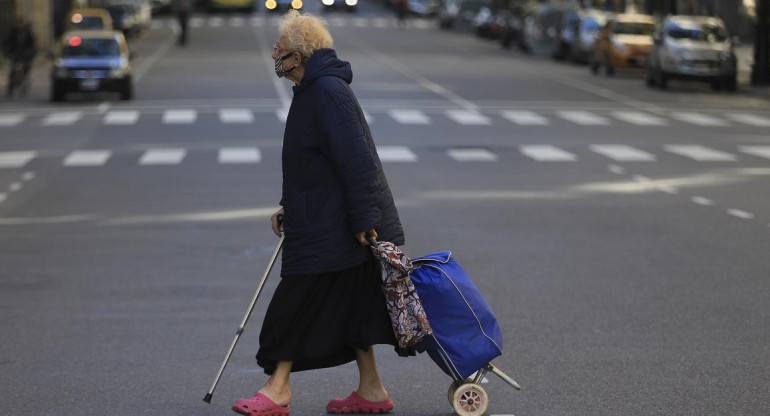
(634, 28)
(89, 23)
(700, 32)
(77, 46)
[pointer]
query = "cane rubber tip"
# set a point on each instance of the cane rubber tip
(207, 399)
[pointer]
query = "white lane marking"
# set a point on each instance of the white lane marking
(622, 153)
(236, 115)
(409, 116)
(381, 23)
(338, 22)
(547, 153)
(750, 119)
(62, 118)
(640, 178)
(257, 21)
(236, 21)
(15, 186)
(16, 159)
(740, 214)
(760, 151)
(421, 24)
(369, 118)
(121, 117)
(525, 118)
(702, 201)
(668, 189)
(584, 118)
(28, 176)
(162, 157)
(639, 118)
(700, 153)
(179, 116)
(360, 22)
(618, 170)
(700, 119)
(216, 22)
(196, 22)
(10, 120)
(396, 154)
(471, 155)
(239, 155)
(87, 158)
(3, 197)
(468, 118)
(155, 57)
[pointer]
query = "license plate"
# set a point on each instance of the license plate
(89, 84)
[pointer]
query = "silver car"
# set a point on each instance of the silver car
(692, 48)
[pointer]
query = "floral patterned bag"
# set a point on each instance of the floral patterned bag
(410, 324)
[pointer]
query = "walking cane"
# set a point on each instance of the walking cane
(238, 333)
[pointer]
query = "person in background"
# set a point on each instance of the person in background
(20, 47)
(182, 9)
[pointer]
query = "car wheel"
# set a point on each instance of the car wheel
(661, 80)
(127, 92)
(57, 93)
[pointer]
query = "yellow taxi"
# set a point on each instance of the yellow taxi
(624, 42)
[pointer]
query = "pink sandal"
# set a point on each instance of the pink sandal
(357, 404)
(260, 405)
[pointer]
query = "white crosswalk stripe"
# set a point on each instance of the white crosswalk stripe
(236, 115)
(360, 22)
(11, 160)
(700, 153)
(525, 118)
(179, 116)
(639, 118)
(10, 120)
(162, 157)
(121, 117)
(195, 22)
(257, 21)
(64, 118)
(87, 158)
(409, 116)
(468, 118)
(233, 155)
(584, 118)
(396, 154)
(338, 22)
(236, 21)
(760, 151)
(750, 119)
(381, 23)
(700, 119)
(547, 153)
(216, 22)
(622, 153)
(471, 155)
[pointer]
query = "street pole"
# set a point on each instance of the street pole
(760, 73)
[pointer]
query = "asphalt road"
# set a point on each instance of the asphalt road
(619, 233)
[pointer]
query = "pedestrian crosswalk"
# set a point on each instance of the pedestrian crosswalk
(545, 153)
(215, 22)
(402, 116)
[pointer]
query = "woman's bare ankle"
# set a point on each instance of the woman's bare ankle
(279, 395)
(373, 393)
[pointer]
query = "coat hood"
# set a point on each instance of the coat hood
(323, 63)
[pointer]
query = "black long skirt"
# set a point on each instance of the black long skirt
(317, 321)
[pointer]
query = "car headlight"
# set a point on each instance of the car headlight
(296, 4)
(328, 2)
(120, 71)
(271, 4)
(351, 3)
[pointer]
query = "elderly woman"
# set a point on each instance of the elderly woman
(328, 308)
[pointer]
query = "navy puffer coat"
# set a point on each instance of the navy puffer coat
(333, 182)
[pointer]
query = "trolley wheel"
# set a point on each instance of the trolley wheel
(470, 400)
(453, 388)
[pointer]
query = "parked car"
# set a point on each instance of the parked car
(447, 13)
(693, 48)
(89, 19)
(512, 21)
(423, 8)
(590, 24)
(489, 24)
(124, 18)
(460, 13)
(346, 5)
(91, 61)
(566, 35)
(279, 5)
(625, 42)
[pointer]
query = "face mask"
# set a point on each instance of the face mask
(279, 65)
